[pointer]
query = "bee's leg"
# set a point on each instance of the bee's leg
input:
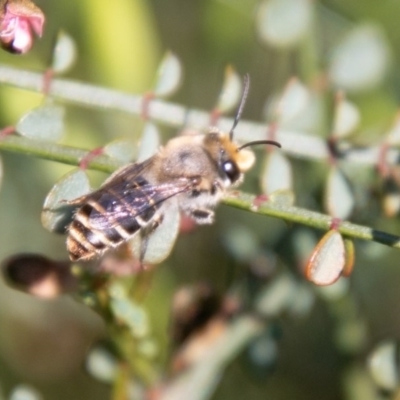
(145, 233)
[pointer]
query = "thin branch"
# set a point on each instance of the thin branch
(56, 152)
(200, 381)
(73, 156)
(313, 219)
(297, 143)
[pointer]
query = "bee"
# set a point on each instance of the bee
(190, 174)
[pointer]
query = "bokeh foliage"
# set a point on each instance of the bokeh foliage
(321, 355)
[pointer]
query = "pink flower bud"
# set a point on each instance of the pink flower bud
(18, 18)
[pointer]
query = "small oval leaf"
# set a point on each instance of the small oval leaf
(241, 242)
(283, 23)
(339, 200)
(64, 53)
(327, 260)
(43, 123)
(276, 173)
(347, 118)
(149, 143)
(282, 197)
(231, 91)
(121, 149)
(361, 60)
(349, 257)
(384, 365)
(128, 312)
(57, 212)
(25, 392)
(262, 353)
(169, 76)
(102, 365)
(309, 120)
(159, 244)
(294, 100)
(277, 297)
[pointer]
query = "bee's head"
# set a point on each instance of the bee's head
(233, 160)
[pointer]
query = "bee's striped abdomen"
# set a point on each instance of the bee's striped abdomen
(108, 218)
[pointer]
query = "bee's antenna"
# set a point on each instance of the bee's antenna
(259, 142)
(246, 83)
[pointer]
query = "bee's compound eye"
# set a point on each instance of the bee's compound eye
(231, 170)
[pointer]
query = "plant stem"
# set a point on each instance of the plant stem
(313, 219)
(297, 143)
(56, 152)
(73, 156)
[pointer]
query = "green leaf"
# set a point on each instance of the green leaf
(121, 149)
(339, 199)
(383, 365)
(283, 23)
(360, 60)
(347, 118)
(276, 173)
(25, 392)
(101, 364)
(43, 123)
(230, 92)
(149, 143)
(327, 260)
(64, 53)
(169, 76)
(159, 244)
(57, 211)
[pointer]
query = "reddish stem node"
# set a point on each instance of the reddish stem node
(335, 223)
(382, 166)
(86, 160)
(7, 131)
(47, 79)
(215, 115)
(271, 133)
(147, 98)
(259, 200)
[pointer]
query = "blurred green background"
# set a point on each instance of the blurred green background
(120, 44)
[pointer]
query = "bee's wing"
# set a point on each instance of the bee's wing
(125, 173)
(127, 195)
(128, 172)
(141, 200)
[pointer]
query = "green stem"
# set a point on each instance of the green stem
(313, 219)
(56, 152)
(73, 156)
(293, 142)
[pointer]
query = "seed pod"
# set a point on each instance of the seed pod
(38, 275)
